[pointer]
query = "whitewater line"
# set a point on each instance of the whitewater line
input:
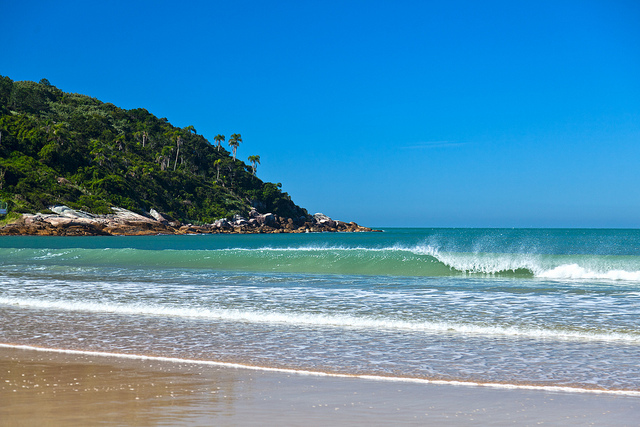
(318, 320)
(567, 389)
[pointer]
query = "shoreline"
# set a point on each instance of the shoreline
(320, 374)
(48, 387)
(69, 222)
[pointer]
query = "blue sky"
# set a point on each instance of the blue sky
(387, 113)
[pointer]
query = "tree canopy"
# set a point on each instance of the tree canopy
(66, 148)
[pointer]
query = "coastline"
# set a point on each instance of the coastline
(38, 386)
(68, 222)
(136, 334)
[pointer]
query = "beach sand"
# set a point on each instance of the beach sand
(55, 389)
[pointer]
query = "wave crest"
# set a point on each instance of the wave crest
(574, 267)
(417, 261)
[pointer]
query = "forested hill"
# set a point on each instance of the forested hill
(64, 148)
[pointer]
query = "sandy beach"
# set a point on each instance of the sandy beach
(51, 389)
(323, 329)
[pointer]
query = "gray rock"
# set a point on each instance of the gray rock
(157, 216)
(221, 223)
(323, 220)
(127, 215)
(239, 220)
(67, 212)
(268, 219)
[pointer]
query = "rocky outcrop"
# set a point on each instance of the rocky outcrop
(324, 220)
(65, 221)
(158, 216)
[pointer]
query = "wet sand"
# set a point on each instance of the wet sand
(53, 389)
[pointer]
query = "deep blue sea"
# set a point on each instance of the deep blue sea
(541, 308)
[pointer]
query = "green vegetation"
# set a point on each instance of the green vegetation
(255, 161)
(65, 148)
(234, 142)
(11, 218)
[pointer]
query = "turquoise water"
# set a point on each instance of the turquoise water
(523, 307)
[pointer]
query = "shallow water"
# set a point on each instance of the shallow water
(47, 388)
(542, 308)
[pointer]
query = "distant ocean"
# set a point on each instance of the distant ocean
(534, 308)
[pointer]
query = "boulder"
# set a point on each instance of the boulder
(221, 224)
(239, 220)
(268, 219)
(66, 211)
(158, 216)
(126, 215)
(324, 221)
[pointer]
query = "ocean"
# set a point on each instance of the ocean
(549, 309)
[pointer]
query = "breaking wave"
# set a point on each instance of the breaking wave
(420, 260)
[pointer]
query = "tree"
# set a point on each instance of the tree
(217, 164)
(50, 139)
(6, 87)
(255, 160)
(144, 133)
(165, 157)
(60, 133)
(120, 142)
(234, 142)
(178, 143)
(219, 138)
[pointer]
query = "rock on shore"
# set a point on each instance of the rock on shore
(65, 221)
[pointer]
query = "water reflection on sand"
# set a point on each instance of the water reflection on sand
(44, 388)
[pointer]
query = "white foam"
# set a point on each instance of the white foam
(574, 271)
(566, 389)
(320, 320)
(481, 263)
(540, 265)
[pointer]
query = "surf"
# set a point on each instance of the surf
(322, 320)
(417, 261)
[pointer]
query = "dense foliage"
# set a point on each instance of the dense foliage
(64, 148)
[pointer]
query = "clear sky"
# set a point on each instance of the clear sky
(387, 113)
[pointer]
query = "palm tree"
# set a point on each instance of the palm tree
(217, 164)
(165, 157)
(234, 141)
(218, 138)
(255, 160)
(144, 133)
